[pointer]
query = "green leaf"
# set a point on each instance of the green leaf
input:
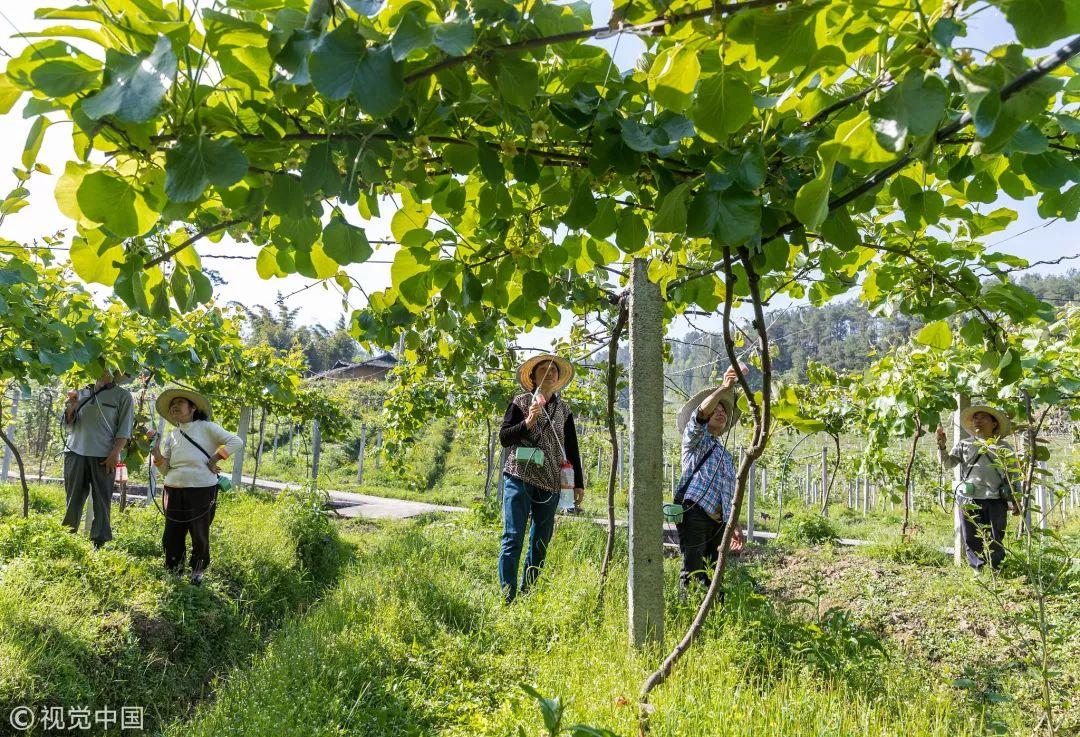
(412, 32)
(702, 214)
(1050, 170)
(345, 243)
(1039, 23)
(411, 278)
(112, 201)
(738, 217)
(936, 335)
(582, 207)
(93, 259)
(134, 85)
(291, 63)
(455, 37)
(673, 76)
(913, 107)
(370, 8)
(605, 222)
(722, 106)
(341, 65)
(518, 80)
(9, 94)
(33, 141)
(490, 164)
(320, 173)
(812, 200)
(671, 215)
(632, 232)
(54, 69)
(195, 163)
(286, 198)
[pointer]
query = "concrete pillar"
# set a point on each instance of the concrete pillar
(238, 459)
(646, 523)
(316, 447)
(378, 449)
(963, 401)
(360, 455)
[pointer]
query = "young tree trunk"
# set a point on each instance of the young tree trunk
(50, 416)
(835, 473)
(615, 470)
(490, 457)
(907, 480)
(762, 417)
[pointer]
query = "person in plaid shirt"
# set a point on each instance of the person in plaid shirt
(707, 493)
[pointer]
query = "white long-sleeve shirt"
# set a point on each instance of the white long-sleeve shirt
(184, 465)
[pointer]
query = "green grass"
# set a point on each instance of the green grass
(80, 627)
(415, 641)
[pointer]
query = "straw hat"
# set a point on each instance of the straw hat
(691, 407)
(566, 371)
(968, 414)
(165, 398)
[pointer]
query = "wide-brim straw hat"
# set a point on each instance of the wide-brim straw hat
(727, 399)
(968, 414)
(165, 398)
(566, 371)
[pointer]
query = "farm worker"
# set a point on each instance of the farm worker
(531, 488)
(97, 420)
(987, 482)
(189, 458)
(708, 479)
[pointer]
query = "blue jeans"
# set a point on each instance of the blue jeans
(520, 500)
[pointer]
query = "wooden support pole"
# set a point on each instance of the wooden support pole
(646, 526)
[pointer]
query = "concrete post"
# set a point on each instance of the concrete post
(238, 459)
(378, 449)
(360, 455)
(824, 478)
(646, 524)
(963, 401)
(316, 447)
(1045, 503)
(10, 432)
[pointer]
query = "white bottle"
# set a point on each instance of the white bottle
(566, 491)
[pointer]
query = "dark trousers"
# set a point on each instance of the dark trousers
(699, 544)
(85, 475)
(522, 500)
(188, 511)
(984, 525)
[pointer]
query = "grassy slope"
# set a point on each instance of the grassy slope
(80, 627)
(415, 641)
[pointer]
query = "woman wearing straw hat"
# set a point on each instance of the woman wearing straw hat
(189, 459)
(708, 479)
(987, 482)
(539, 431)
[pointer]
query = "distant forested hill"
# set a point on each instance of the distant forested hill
(843, 335)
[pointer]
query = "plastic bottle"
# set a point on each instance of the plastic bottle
(566, 490)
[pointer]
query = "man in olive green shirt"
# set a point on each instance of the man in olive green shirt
(98, 421)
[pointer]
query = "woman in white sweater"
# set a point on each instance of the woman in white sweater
(189, 459)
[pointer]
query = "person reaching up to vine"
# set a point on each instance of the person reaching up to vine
(707, 483)
(539, 431)
(985, 491)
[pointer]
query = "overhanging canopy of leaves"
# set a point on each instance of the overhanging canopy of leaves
(847, 140)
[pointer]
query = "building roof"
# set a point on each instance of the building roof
(384, 362)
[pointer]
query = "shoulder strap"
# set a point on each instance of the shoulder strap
(190, 440)
(971, 466)
(93, 393)
(686, 484)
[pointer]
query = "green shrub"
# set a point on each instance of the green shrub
(911, 551)
(809, 528)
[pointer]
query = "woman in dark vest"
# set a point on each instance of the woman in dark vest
(535, 419)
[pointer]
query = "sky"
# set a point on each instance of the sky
(1030, 236)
